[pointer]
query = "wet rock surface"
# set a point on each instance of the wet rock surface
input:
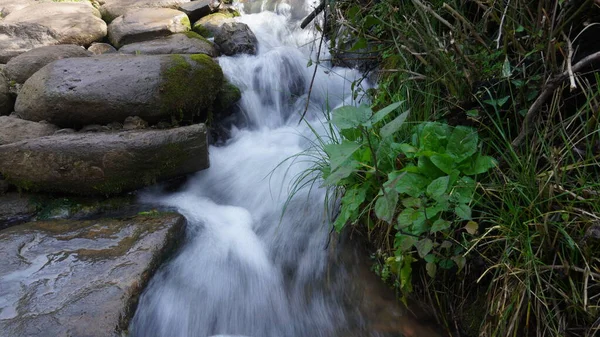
(145, 24)
(14, 208)
(80, 278)
(104, 163)
(99, 90)
(20, 68)
(236, 38)
(15, 129)
(186, 43)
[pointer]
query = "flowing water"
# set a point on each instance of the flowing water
(246, 268)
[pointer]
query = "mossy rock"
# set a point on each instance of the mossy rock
(210, 24)
(229, 95)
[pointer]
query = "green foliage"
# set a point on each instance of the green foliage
(422, 186)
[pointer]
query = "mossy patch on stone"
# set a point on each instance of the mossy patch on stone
(194, 35)
(190, 86)
(185, 21)
(201, 30)
(229, 95)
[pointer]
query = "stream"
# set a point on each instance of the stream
(247, 268)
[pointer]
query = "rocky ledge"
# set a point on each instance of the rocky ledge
(80, 278)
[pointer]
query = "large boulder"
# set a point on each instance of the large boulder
(17, 38)
(15, 129)
(20, 68)
(145, 24)
(103, 89)
(9, 6)
(112, 9)
(72, 22)
(236, 38)
(197, 9)
(6, 101)
(104, 163)
(99, 48)
(80, 278)
(184, 43)
(209, 25)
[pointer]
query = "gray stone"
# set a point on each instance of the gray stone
(146, 24)
(65, 131)
(80, 278)
(195, 10)
(134, 123)
(15, 129)
(14, 208)
(94, 128)
(72, 22)
(6, 101)
(4, 186)
(20, 68)
(9, 6)
(104, 163)
(17, 38)
(236, 38)
(112, 9)
(209, 25)
(185, 43)
(103, 89)
(98, 48)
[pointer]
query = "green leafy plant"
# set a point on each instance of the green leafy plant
(419, 184)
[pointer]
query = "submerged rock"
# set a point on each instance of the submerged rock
(145, 24)
(14, 129)
(80, 278)
(20, 68)
(104, 163)
(103, 89)
(185, 43)
(72, 22)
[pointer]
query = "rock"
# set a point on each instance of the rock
(15, 129)
(73, 22)
(236, 38)
(17, 38)
(101, 48)
(64, 131)
(112, 9)
(134, 123)
(146, 24)
(80, 278)
(229, 95)
(4, 186)
(185, 43)
(195, 10)
(103, 89)
(209, 25)
(94, 128)
(6, 101)
(104, 163)
(9, 6)
(14, 208)
(20, 68)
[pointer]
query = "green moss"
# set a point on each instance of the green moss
(190, 86)
(229, 95)
(201, 30)
(194, 35)
(186, 22)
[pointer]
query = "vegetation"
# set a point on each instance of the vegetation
(499, 247)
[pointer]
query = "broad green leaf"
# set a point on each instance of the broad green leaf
(406, 274)
(381, 114)
(407, 217)
(409, 183)
(430, 258)
(428, 169)
(462, 143)
(444, 162)
(431, 268)
(463, 190)
(348, 117)
(446, 263)
(440, 225)
(360, 44)
(385, 206)
(433, 137)
(342, 172)
(463, 211)
(340, 153)
(424, 246)
(481, 164)
(411, 202)
(407, 149)
(460, 261)
(438, 187)
(392, 127)
(404, 242)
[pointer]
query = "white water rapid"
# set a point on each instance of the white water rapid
(243, 269)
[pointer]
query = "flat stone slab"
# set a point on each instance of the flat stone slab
(146, 24)
(75, 92)
(104, 163)
(112, 9)
(80, 278)
(17, 38)
(20, 68)
(185, 43)
(14, 129)
(72, 22)
(9, 6)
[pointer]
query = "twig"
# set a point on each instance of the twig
(312, 81)
(550, 87)
(502, 25)
(573, 86)
(435, 15)
(313, 15)
(466, 23)
(573, 268)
